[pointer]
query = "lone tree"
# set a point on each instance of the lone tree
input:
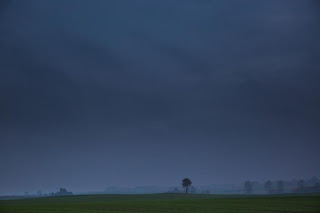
(186, 183)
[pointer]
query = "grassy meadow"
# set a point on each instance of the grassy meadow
(176, 203)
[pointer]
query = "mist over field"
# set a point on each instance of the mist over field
(98, 94)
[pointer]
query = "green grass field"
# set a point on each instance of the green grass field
(178, 203)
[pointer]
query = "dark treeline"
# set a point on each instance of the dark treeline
(282, 186)
(267, 187)
(61, 192)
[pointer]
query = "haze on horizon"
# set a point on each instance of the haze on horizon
(127, 93)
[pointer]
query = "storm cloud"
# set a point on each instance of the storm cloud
(102, 93)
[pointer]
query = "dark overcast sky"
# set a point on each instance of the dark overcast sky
(142, 92)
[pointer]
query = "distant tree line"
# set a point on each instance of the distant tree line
(187, 188)
(61, 192)
(280, 186)
(271, 187)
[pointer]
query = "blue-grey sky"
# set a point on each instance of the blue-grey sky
(142, 92)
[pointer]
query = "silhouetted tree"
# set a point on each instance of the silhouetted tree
(280, 186)
(248, 186)
(63, 190)
(268, 186)
(186, 183)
